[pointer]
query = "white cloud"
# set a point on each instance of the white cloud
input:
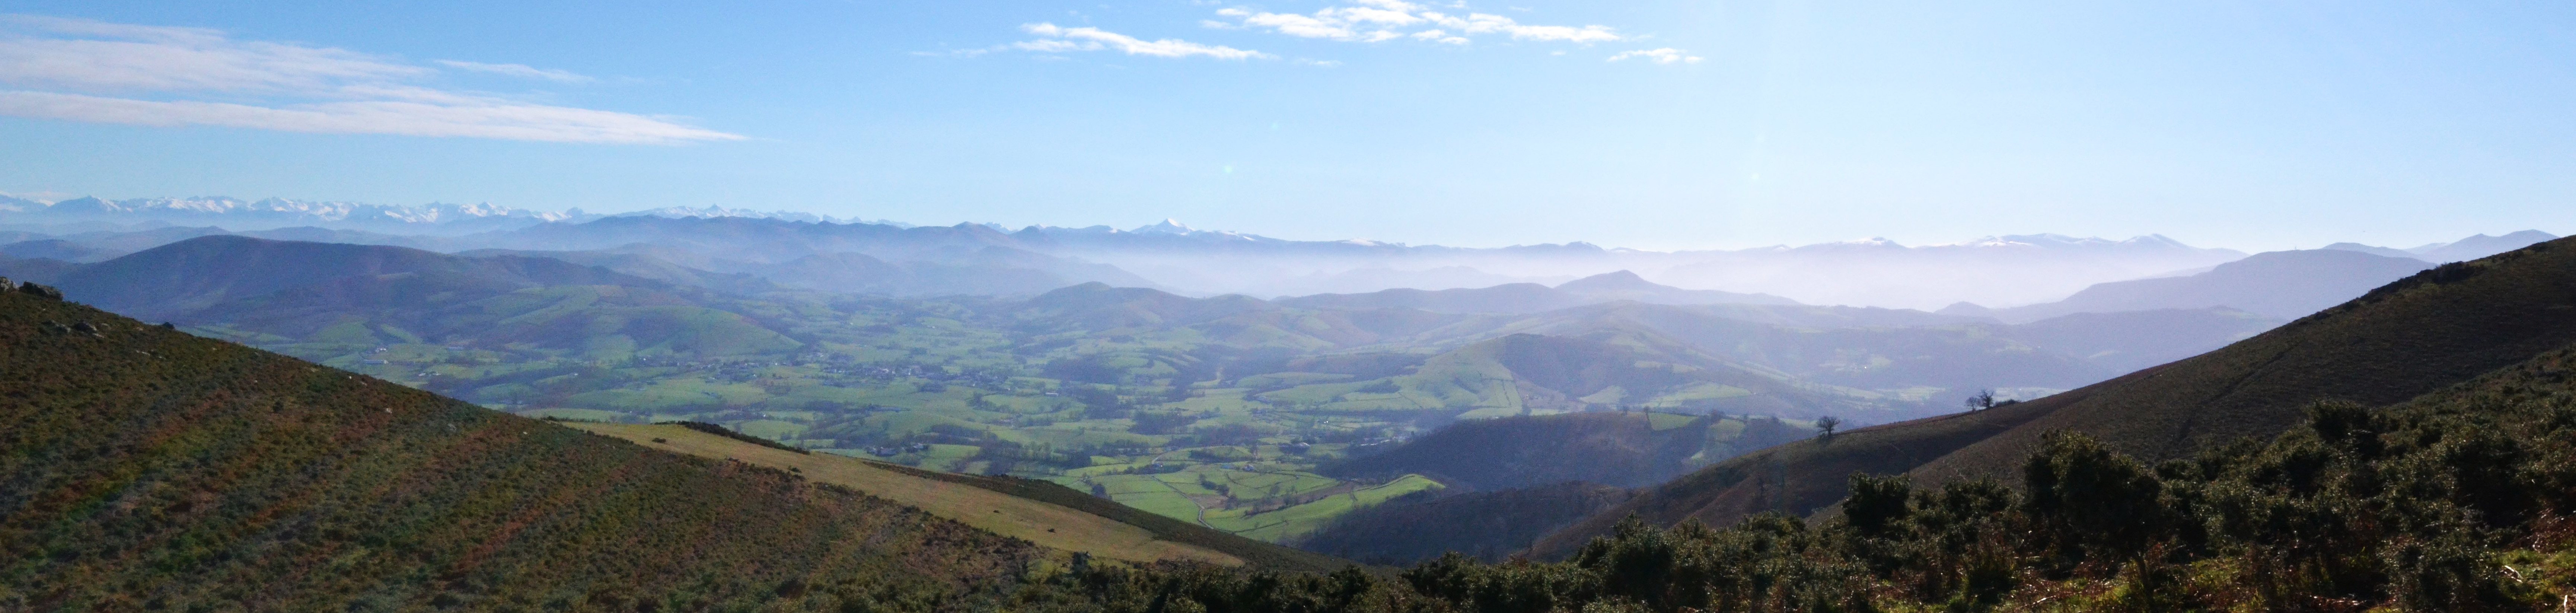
(119, 57)
(81, 70)
(518, 70)
(1665, 55)
(1061, 39)
(1486, 23)
(1056, 46)
(492, 119)
(1292, 24)
(1439, 36)
(1384, 20)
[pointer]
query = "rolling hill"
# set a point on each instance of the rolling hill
(1894, 351)
(1488, 526)
(150, 468)
(1041, 512)
(1625, 449)
(2416, 335)
(1524, 373)
(40, 270)
(174, 279)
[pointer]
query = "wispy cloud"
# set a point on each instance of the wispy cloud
(93, 71)
(1665, 55)
(518, 70)
(401, 117)
(1384, 20)
(1059, 39)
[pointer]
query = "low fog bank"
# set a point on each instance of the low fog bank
(2008, 271)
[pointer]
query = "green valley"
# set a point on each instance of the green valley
(1229, 412)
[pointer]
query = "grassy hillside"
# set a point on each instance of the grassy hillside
(1041, 512)
(147, 468)
(1524, 374)
(2430, 330)
(1038, 522)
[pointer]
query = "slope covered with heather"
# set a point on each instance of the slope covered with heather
(147, 468)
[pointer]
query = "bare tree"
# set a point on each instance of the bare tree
(1825, 427)
(1982, 400)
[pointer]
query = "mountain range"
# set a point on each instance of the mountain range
(2279, 284)
(2100, 332)
(2465, 249)
(2002, 270)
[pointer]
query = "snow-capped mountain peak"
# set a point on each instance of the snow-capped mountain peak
(1168, 226)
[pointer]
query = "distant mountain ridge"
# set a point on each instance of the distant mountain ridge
(2473, 247)
(174, 279)
(2004, 269)
(2279, 284)
(1532, 297)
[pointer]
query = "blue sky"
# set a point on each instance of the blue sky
(1725, 124)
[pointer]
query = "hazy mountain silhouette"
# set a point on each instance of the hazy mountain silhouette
(173, 279)
(1624, 285)
(1531, 297)
(40, 270)
(2279, 284)
(2479, 246)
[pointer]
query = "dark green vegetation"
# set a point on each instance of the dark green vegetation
(1621, 449)
(1217, 411)
(1515, 479)
(1488, 526)
(2431, 330)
